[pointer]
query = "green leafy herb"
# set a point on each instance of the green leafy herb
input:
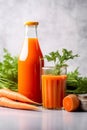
(60, 59)
(75, 83)
(9, 71)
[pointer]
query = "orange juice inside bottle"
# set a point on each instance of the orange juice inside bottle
(29, 63)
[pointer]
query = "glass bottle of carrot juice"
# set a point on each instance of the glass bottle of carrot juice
(29, 64)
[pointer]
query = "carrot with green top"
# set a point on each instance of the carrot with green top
(16, 96)
(71, 103)
(5, 102)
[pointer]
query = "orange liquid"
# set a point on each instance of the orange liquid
(53, 91)
(29, 71)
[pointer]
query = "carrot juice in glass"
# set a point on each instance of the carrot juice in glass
(53, 88)
(29, 64)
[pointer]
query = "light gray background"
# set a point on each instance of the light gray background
(63, 24)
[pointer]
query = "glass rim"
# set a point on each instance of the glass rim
(48, 67)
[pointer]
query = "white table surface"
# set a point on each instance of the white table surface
(13, 119)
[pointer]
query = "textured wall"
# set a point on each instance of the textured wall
(63, 24)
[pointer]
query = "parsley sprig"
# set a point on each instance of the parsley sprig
(60, 59)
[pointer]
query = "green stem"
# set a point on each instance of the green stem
(7, 80)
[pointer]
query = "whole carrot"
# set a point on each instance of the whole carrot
(71, 102)
(16, 96)
(5, 102)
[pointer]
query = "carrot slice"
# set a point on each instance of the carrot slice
(5, 102)
(71, 103)
(16, 96)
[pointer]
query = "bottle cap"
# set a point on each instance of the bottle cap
(30, 23)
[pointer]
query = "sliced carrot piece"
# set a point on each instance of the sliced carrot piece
(71, 102)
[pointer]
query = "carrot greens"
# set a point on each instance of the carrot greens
(8, 71)
(75, 83)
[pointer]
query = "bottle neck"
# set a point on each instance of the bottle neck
(31, 31)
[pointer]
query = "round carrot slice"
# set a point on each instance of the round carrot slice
(71, 103)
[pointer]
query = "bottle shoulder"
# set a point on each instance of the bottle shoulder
(30, 49)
